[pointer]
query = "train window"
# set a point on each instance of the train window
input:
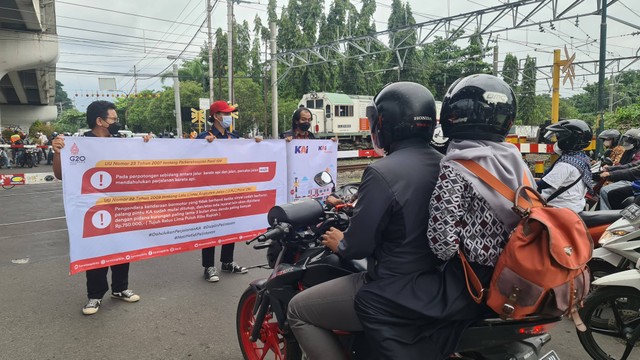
(310, 104)
(344, 110)
(319, 104)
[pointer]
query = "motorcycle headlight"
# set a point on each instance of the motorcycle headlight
(609, 235)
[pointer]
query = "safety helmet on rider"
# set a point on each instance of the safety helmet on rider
(571, 135)
(400, 111)
(478, 107)
(630, 139)
(612, 135)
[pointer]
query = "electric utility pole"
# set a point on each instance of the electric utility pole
(210, 42)
(230, 47)
(602, 67)
(274, 82)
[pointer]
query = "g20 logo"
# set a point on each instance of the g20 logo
(77, 158)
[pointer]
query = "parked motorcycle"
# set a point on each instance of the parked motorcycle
(300, 261)
(612, 316)
(26, 157)
(619, 245)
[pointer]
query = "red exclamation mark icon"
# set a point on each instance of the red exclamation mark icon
(100, 182)
(101, 217)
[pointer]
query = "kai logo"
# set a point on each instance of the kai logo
(323, 148)
(301, 150)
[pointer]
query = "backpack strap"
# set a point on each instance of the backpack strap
(498, 185)
(564, 188)
(470, 276)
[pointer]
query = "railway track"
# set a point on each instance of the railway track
(352, 167)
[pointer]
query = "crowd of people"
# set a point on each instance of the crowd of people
(417, 212)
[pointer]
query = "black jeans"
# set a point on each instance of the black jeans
(226, 255)
(97, 284)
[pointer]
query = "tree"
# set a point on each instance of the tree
(242, 49)
(220, 62)
(623, 118)
(155, 111)
(405, 61)
(510, 71)
(251, 109)
(70, 120)
(528, 111)
(62, 99)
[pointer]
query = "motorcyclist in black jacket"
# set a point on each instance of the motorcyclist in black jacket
(388, 226)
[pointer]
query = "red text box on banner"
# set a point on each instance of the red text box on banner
(123, 176)
(149, 253)
(132, 213)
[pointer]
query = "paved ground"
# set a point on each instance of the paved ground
(180, 315)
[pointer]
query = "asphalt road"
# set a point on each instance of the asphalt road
(180, 316)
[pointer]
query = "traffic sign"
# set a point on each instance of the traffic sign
(197, 116)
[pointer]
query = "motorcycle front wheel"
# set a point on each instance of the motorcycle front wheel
(271, 343)
(611, 314)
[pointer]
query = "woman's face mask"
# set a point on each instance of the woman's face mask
(556, 149)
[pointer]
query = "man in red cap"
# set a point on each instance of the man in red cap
(220, 121)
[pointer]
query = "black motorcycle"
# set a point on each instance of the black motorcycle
(26, 157)
(299, 261)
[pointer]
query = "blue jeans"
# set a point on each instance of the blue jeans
(4, 159)
(604, 193)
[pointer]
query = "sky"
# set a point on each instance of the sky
(107, 39)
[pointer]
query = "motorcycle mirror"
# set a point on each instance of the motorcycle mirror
(323, 178)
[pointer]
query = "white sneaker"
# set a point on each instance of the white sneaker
(91, 307)
(211, 274)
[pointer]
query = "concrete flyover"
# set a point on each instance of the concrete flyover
(28, 54)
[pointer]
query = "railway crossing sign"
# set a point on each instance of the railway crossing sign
(197, 117)
(567, 68)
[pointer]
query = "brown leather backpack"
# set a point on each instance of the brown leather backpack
(542, 269)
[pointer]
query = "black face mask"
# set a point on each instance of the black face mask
(304, 126)
(114, 128)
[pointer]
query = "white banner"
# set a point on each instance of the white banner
(127, 200)
(305, 159)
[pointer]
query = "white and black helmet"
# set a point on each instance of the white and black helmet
(478, 107)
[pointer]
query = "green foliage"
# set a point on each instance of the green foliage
(528, 110)
(154, 113)
(510, 71)
(38, 125)
(70, 120)
(286, 107)
(62, 98)
(623, 118)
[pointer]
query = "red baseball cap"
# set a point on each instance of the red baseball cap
(221, 106)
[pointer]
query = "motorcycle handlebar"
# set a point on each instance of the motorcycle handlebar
(277, 230)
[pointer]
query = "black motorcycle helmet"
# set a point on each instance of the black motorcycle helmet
(400, 111)
(610, 134)
(478, 107)
(571, 135)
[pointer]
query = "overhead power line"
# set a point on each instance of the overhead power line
(124, 13)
